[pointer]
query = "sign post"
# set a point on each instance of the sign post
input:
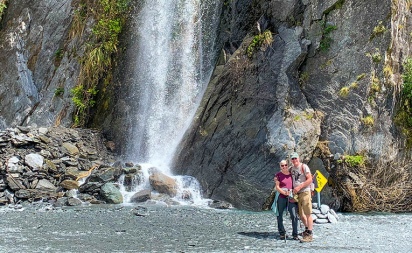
(320, 181)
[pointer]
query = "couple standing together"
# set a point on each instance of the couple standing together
(294, 181)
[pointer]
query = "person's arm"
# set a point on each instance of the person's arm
(308, 179)
(307, 182)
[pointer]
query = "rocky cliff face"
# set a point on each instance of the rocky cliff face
(40, 66)
(330, 78)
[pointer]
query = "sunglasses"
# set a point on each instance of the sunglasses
(294, 158)
(283, 165)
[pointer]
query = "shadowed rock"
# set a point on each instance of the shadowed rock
(141, 196)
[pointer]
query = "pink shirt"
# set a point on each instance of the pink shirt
(285, 181)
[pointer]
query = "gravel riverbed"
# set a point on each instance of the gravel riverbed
(154, 228)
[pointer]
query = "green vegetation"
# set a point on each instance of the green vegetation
(309, 116)
(387, 71)
(353, 85)
(59, 92)
(344, 92)
(97, 61)
(371, 99)
(355, 160)
(79, 21)
(339, 4)
(326, 40)
(404, 114)
(375, 84)
(260, 41)
(360, 77)
(297, 118)
(81, 99)
(368, 121)
(376, 57)
(3, 6)
(58, 56)
(336, 6)
(378, 30)
(326, 64)
(304, 115)
(304, 77)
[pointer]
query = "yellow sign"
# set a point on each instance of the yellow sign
(321, 181)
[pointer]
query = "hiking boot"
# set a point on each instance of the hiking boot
(307, 238)
(295, 237)
(282, 237)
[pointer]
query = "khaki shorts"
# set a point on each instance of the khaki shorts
(305, 203)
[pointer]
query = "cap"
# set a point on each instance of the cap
(294, 155)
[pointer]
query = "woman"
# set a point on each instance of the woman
(283, 181)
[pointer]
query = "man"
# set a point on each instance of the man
(302, 178)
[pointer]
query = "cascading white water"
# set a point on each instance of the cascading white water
(174, 61)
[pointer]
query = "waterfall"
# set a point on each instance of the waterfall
(173, 64)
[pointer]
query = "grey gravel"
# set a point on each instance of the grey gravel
(153, 228)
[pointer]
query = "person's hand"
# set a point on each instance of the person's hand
(296, 190)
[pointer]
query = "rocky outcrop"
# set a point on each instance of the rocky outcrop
(252, 116)
(331, 66)
(40, 65)
(45, 164)
(355, 59)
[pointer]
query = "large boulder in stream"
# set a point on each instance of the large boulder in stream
(111, 194)
(163, 183)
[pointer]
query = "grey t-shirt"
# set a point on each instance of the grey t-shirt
(299, 176)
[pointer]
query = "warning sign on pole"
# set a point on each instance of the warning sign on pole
(319, 180)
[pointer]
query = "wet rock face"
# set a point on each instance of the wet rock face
(39, 66)
(46, 163)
